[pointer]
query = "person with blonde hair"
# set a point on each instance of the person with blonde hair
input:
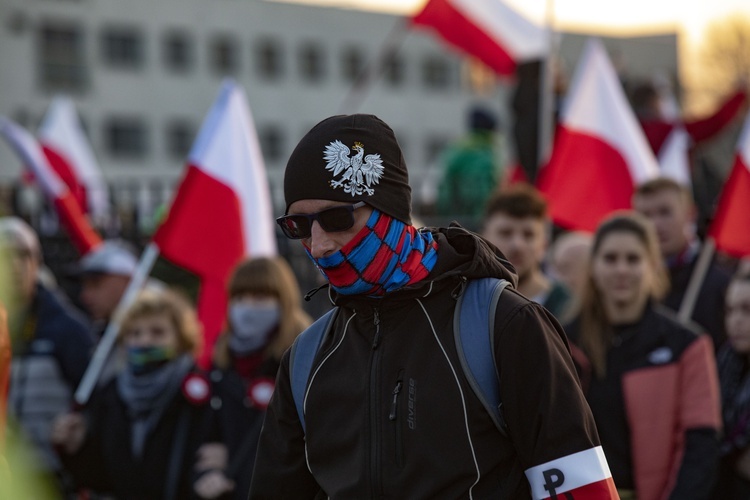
(650, 381)
(139, 435)
(264, 317)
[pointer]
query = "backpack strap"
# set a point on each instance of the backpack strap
(473, 328)
(302, 355)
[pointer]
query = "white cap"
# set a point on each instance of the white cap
(111, 257)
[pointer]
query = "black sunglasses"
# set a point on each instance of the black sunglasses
(331, 220)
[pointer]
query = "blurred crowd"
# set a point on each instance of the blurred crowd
(670, 394)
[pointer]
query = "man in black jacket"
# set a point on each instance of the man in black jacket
(389, 412)
(670, 207)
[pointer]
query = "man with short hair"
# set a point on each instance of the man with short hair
(389, 411)
(516, 222)
(50, 340)
(104, 274)
(670, 207)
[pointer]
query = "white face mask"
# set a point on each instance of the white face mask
(252, 325)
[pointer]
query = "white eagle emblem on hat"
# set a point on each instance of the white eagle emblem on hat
(358, 175)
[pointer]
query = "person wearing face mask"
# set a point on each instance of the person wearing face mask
(138, 436)
(650, 381)
(264, 317)
(389, 411)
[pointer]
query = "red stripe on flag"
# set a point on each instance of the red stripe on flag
(211, 308)
(586, 179)
(461, 32)
(76, 224)
(66, 173)
(732, 219)
(203, 231)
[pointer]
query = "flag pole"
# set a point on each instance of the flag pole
(368, 76)
(107, 342)
(547, 91)
(696, 281)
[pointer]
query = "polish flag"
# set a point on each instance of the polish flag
(600, 153)
(729, 228)
(69, 153)
(222, 210)
(674, 157)
(486, 29)
(68, 210)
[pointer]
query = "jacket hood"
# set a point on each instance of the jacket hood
(465, 253)
(462, 255)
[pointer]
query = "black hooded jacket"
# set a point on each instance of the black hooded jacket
(390, 414)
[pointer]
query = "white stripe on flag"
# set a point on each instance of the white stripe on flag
(520, 37)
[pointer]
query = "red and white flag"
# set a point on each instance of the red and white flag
(222, 210)
(489, 30)
(68, 210)
(69, 153)
(600, 152)
(674, 157)
(731, 223)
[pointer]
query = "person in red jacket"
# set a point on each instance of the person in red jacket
(650, 381)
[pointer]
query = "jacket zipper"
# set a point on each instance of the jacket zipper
(394, 403)
(374, 409)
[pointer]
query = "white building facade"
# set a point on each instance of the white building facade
(143, 74)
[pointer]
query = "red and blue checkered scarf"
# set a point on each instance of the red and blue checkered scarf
(384, 256)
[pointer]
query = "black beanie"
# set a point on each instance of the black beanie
(350, 158)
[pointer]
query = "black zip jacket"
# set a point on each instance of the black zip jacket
(390, 414)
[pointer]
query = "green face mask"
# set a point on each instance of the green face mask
(147, 359)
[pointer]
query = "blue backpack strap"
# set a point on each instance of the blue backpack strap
(301, 358)
(473, 328)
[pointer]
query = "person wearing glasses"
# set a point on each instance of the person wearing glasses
(388, 409)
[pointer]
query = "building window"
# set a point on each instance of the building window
(271, 138)
(394, 70)
(61, 57)
(123, 47)
(352, 64)
(312, 62)
(436, 72)
(269, 61)
(177, 51)
(180, 135)
(224, 53)
(126, 137)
